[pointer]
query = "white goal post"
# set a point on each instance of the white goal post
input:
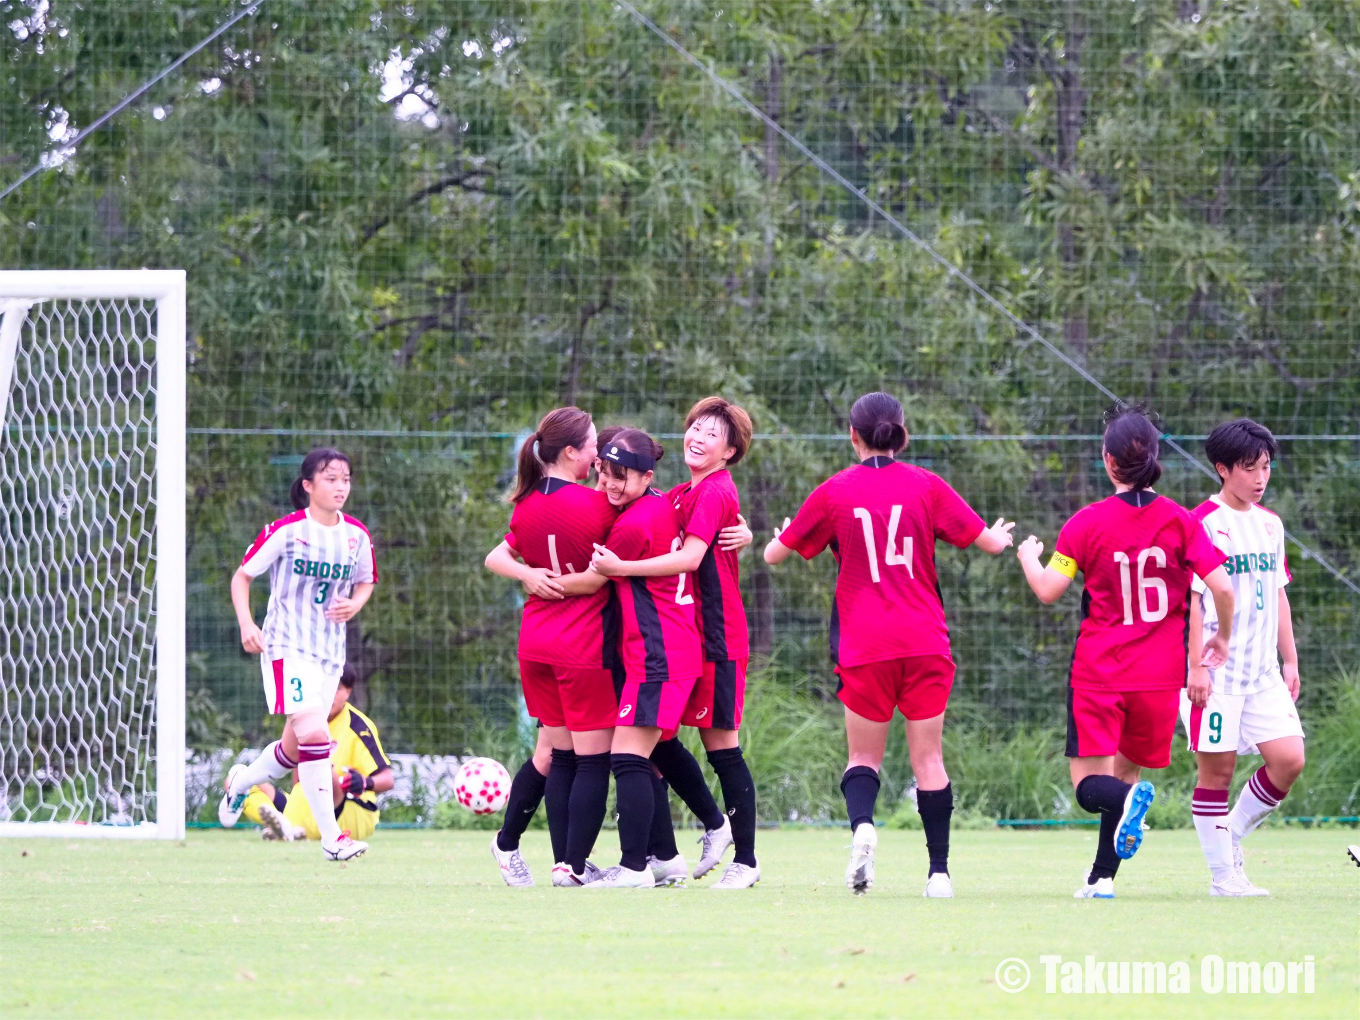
(92, 550)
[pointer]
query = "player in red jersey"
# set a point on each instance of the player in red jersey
(1137, 552)
(567, 644)
(888, 635)
(717, 436)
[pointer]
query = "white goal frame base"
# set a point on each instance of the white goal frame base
(18, 291)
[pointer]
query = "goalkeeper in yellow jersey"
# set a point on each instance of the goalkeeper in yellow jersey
(361, 771)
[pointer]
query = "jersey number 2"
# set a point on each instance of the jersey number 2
(1148, 614)
(891, 556)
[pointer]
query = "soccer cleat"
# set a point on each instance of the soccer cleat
(344, 848)
(859, 873)
(274, 826)
(229, 810)
(513, 869)
(939, 887)
(564, 878)
(1354, 852)
(1236, 884)
(619, 877)
(738, 876)
(715, 843)
(1100, 889)
(671, 872)
(1129, 836)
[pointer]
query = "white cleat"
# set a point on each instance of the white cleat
(619, 877)
(671, 872)
(344, 848)
(1240, 871)
(859, 873)
(939, 887)
(1100, 889)
(274, 826)
(513, 868)
(715, 843)
(564, 878)
(230, 807)
(738, 876)
(1354, 852)
(1236, 884)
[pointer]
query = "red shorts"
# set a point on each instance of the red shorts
(1137, 724)
(653, 703)
(718, 696)
(577, 698)
(918, 685)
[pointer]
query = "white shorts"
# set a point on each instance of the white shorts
(1238, 722)
(294, 684)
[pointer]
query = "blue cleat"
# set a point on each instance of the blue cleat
(1129, 836)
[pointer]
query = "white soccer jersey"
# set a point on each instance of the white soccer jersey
(1253, 541)
(309, 564)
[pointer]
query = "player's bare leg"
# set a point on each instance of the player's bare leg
(867, 739)
(934, 799)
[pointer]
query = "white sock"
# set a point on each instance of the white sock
(1210, 809)
(314, 777)
(1254, 804)
(271, 764)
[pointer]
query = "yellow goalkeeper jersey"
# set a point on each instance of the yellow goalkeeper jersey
(357, 747)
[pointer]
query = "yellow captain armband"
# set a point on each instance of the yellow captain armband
(1064, 565)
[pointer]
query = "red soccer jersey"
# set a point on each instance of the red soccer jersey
(555, 527)
(658, 637)
(881, 519)
(1137, 552)
(705, 509)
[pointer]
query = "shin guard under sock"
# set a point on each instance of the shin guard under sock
(739, 796)
(526, 793)
(936, 807)
(661, 842)
(682, 771)
(860, 787)
(557, 799)
(633, 793)
(585, 813)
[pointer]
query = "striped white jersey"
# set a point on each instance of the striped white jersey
(309, 565)
(1253, 541)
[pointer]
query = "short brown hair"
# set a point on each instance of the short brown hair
(738, 422)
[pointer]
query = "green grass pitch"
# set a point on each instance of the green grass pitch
(226, 925)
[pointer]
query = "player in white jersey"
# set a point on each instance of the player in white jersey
(322, 570)
(1247, 705)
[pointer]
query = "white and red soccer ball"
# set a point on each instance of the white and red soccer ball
(482, 785)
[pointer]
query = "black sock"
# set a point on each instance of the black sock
(1102, 793)
(557, 798)
(585, 808)
(682, 771)
(661, 843)
(739, 795)
(633, 792)
(526, 793)
(1107, 861)
(860, 786)
(935, 807)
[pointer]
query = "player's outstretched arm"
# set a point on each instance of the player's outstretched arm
(1216, 648)
(1048, 583)
(776, 551)
(1289, 652)
(997, 538)
(251, 638)
(684, 560)
(342, 610)
(502, 562)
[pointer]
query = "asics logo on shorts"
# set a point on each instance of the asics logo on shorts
(625, 710)
(702, 712)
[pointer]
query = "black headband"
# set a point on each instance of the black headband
(627, 458)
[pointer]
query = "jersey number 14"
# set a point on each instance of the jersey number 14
(892, 557)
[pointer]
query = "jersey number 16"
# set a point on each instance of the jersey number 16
(1155, 585)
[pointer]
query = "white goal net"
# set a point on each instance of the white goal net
(92, 547)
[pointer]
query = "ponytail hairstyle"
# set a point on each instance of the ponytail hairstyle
(628, 448)
(734, 417)
(1131, 438)
(560, 428)
(878, 419)
(312, 465)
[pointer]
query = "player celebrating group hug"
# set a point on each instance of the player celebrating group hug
(633, 626)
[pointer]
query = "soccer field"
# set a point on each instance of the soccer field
(422, 926)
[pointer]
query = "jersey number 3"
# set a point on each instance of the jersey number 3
(892, 557)
(1155, 585)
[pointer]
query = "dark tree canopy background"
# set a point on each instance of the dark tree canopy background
(412, 228)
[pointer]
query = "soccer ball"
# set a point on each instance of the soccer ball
(482, 785)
